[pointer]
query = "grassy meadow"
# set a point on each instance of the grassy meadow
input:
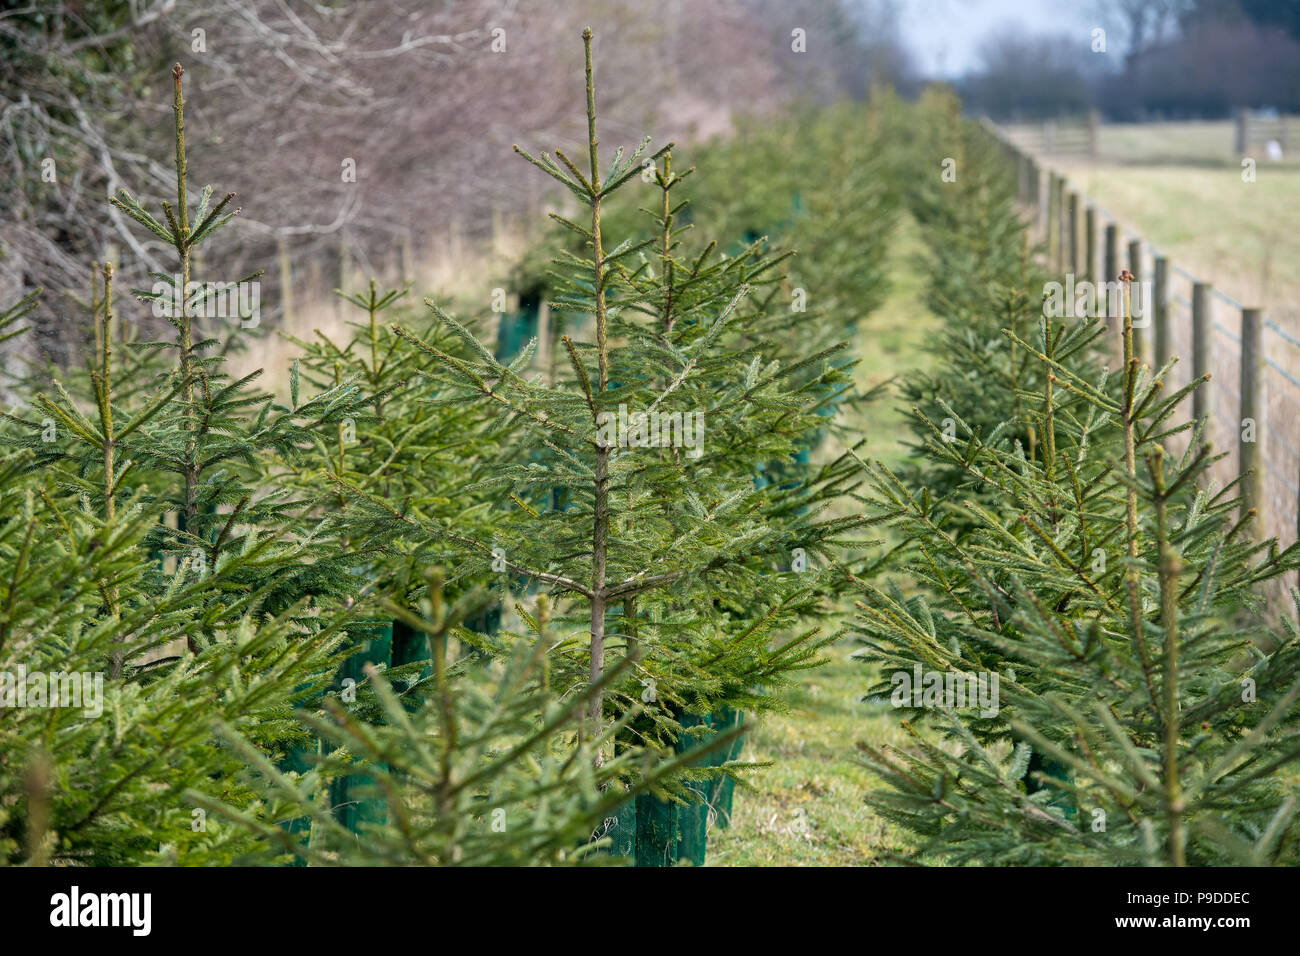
(1180, 187)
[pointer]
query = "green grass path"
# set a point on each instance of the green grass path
(807, 809)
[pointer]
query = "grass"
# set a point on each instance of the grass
(891, 342)
(1179, 186)
(1222, 230)
(807, 809)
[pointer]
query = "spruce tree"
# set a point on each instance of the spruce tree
(224, 634)
(104, 781)
(403, 443)
(1071, 552)
(824, 195)
(199, 440)
(261, 594)
(662, 553)
(980, 277)
(488, 771)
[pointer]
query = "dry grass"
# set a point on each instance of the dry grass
(455, 268)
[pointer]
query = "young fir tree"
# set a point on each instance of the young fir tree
(407, 445)
(663, 553)
(417, 453)
(818, 202)
(484, 773)
(1113, 592)
(100, 746)
(81, 590)
(437, 785)
(108, 465)
(823, 193)
(982, 280)
(821, 206)
(210, 449)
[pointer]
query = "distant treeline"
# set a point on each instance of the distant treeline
(1162, 58)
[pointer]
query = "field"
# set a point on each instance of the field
(1179, 185)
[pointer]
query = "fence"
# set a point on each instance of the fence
(1070, 135)
(1253, 129)
(1085, 138)
(1251, 405)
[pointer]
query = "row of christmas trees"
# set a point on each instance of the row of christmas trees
(270, 595)
(267, 594)
(1064, 559)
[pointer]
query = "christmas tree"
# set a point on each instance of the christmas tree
(636, 508)
(1087, 638)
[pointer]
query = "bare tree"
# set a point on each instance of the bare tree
(286, 101)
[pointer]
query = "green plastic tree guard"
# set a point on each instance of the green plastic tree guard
(693, 817)
(296, 761)
(1058, 771)
(621, 830)
(658, 831)
(724, 788)
(353, 804)
(486, 621)
(620, 826)
(411, 646)
(518, 327)
(668, 832)
(377, 638)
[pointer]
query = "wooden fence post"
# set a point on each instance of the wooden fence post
(1074, 234)
(1037, 188)
(1164, 348)
(1040, 200)
(1250, 445)
(1060, 223)
(1239, 127)
(1142, 333)
(1052, 228)
(1201, 347)
(1112, 253)
(1094, 126)
(1113, 322)
(1090, 243)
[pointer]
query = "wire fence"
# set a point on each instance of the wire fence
(1259, 133)
(1250, 406)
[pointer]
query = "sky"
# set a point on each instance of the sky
(944, 35)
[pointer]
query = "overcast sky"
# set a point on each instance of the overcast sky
(944, 35)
